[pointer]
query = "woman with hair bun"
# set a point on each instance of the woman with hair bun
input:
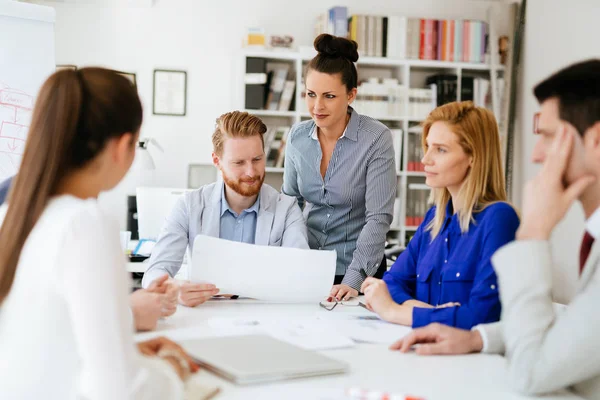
(340, 166)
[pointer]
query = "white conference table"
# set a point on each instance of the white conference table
(372, 366)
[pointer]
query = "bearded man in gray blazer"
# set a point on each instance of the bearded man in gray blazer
(547, 349)
(238, 207)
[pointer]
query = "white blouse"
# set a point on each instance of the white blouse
(65, 327)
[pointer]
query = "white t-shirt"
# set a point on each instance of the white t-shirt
(65, 328)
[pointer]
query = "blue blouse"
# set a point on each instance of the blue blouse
(454, 267)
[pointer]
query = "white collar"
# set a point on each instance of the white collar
(592, 225)
(315, 137)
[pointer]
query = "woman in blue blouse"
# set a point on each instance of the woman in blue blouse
(445, 274)
(340, 166)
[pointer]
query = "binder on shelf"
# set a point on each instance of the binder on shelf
(256, 83)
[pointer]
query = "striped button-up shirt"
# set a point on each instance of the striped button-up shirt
(351, 209)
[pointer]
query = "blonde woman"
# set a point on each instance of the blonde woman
(445, 274)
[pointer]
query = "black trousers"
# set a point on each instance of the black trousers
(378, 274)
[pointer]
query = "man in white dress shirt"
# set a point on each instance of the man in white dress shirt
(547, 350)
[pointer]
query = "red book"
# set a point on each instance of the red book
(431, 39)
(435, 44)
(444, 43)
(450, 39)
(422, 41)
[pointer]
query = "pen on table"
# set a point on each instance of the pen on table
(363, 394)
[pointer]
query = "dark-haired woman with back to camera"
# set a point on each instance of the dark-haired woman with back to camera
(65, 328)
(340, 166)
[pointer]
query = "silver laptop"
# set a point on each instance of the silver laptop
(249, 359)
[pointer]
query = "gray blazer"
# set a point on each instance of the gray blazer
(279, 223)
(547, 351)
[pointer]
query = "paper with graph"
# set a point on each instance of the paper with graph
(26, 61)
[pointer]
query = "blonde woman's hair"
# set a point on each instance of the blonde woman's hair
(477, 132)
(236, 124)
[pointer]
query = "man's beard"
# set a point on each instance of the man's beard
(239, 187)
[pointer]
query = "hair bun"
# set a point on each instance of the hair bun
(334, 46)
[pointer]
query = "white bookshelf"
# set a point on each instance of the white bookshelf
(406, 72)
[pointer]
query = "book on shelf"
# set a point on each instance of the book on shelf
(400, 37)
(287, 95)
(414, 152)
(386, 98)
(445, 86)
(256, 83)
(416, 203)
(334, 22)
(421, 102)
(275, 141)
(278, 73)
(380, 97)
(396, 217)
(397, 141)
(477, 90)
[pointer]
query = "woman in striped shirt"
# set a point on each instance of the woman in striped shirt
(445, 275)
(340, 166)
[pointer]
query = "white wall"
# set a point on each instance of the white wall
(203, 38)
(558, 33)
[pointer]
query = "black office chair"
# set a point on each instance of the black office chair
(390, 255)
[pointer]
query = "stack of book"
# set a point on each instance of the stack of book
(380, 98)
(421, 102)
(477, 90)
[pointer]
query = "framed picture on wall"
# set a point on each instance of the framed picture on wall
(129, 75)
(169, 92)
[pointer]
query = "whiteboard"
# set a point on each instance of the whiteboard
(26, 60)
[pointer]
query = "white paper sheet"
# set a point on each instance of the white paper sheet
(301, 332)
(263, 272)
(361, 326)
(374, 331)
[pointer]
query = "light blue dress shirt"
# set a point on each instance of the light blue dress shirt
(238, 227)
